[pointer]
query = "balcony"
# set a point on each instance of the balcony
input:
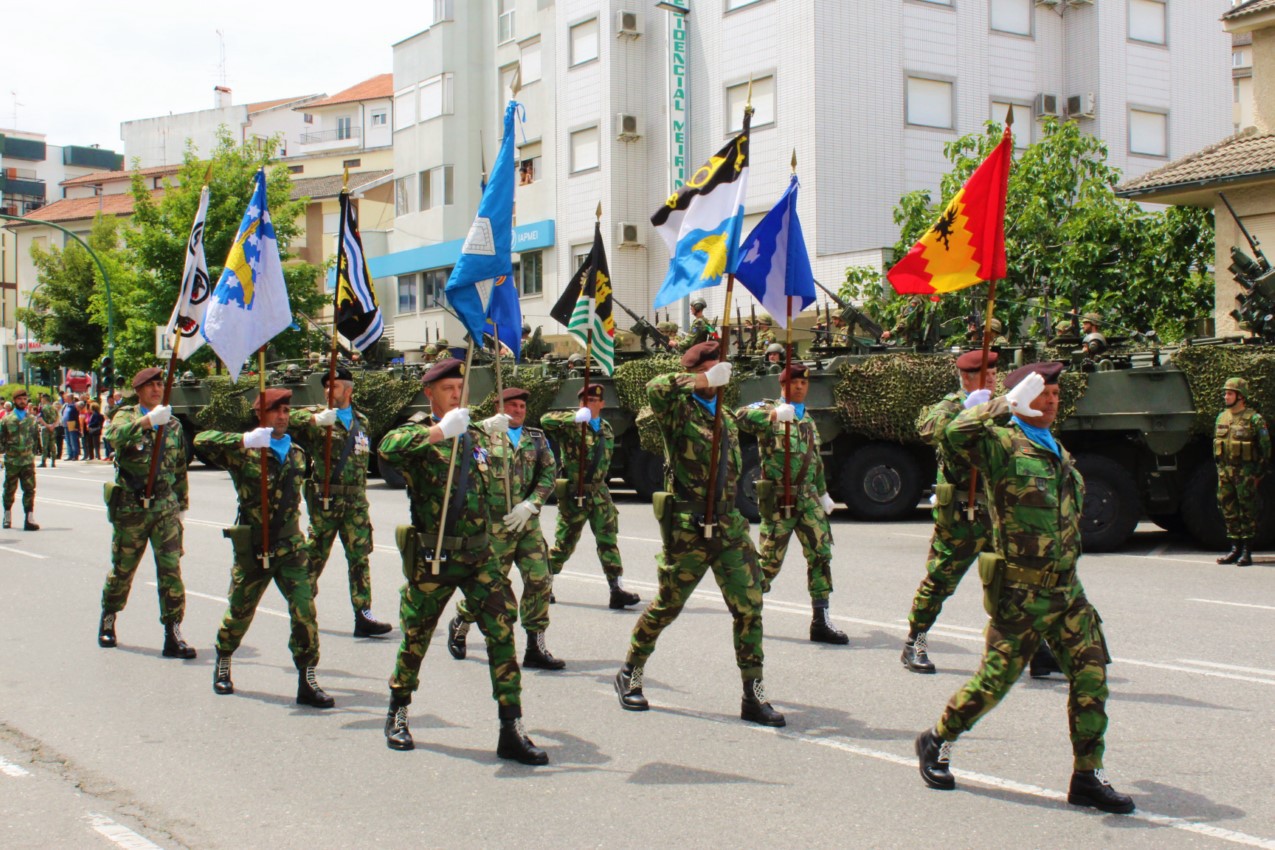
(341, 137)
(96, 158)
(10, 186)
(12, 147)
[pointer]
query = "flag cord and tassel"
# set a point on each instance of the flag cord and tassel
(500, 409)
(331, 394)
(265, 461)
(451, 465)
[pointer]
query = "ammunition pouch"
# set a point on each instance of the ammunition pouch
(110, 494)
(766, 497)
(418, 547)
(945, 501)
(406, 538)
(246, 539)
(662, 504)
(560, 490)
(991, 570)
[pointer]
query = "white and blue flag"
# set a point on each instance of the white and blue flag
(773, 262)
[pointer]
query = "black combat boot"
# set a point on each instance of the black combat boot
(628, 686)
(514, 743)
(28, 523)
(1232, 556)
(106, 631)
(754, 708)
(1043, 663)
(221, 675)
(621, 598)
(1246, 555)
(1091, 788)
(365, 625)
(456, 631)
(309, 692)
(538, 656)
(174, 645)
(823, 631)
(397, 735)
(934, 755)
(916, 654)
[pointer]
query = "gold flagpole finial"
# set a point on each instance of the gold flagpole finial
(748, 101)
(208, 173)
(345, 180)
(598, 213)
(515, 85)
(1009, 116)
(482, 153)
(794, 160)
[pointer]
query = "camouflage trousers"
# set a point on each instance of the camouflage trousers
(290, 573)
(686, 558)
(1024, 617)
(348, 519)
(810, 524)
(421, 605)
(529, 550)
(48, 446)
(604, 520)
(160, 527)
(1238, 498)
(956, 543)
(19, 471)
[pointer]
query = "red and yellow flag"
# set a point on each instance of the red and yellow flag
(967, 244)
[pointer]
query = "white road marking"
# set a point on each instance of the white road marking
(640, 539)
(1235, 604)
(22, 552)
(1157, 551)
(8, 768)
(1258, 670)
(224, 601)
(118, 834)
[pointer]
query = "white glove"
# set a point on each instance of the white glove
(825, 501)
(257, 438)
(517, 519)
(583, 415)
(1021, 397)
(977, 397)
(495, 425)
(325, 418)
(454, 422)
(160, 415)
(785, 413)
(719, 375)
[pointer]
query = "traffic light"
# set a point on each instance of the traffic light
(108, 373)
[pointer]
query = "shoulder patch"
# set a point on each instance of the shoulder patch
(418, 418)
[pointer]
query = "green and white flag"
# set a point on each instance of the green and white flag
(586, 304)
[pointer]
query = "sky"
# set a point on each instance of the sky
(78, 68)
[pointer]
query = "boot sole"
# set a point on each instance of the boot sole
(401, 747)
(761, 721)
(1088, 803)
(529, 761)
(315, 703)
(830, 641)
(915, 669)
(223, 692)
(537, 665)
(620, 606)
(185, 656)
(106, 644)
(363, 633)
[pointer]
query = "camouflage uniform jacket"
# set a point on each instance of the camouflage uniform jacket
(803, 448)
(566, 431)
(686, 427)
(699, 331)
(1036, 498)
(49, 415)
(313, 438)
(285, 482)
(133, 442)
(19, 437)
(531, 469)
(1241, 440)
(931, 424)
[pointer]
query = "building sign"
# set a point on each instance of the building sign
(31, 346)
(678, 78)
(529, 237)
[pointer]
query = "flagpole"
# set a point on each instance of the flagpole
(265, 457)
(451, 465)
(500, 409)
(710, 502)
(588, 355)
(788, 387)
(343, 202)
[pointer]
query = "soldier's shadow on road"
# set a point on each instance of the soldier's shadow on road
(377, 722)
(663, 773)
(1188, 805)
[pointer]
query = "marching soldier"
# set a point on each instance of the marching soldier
(47, 418)
(597, 508)
(701, 330)
(288, 565)
(19, 440)
(773, 424)
(135, 521)
(1242, 449)
(684, 406)
(1031, 589)
(522, 455)
(346, 511)
(423, 453)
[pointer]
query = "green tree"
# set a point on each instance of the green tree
(1072, 245)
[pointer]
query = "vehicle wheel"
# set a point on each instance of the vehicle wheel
(1112, 505)
(880, 481)
(391, 476)
(645, 473)
(1200, 513)
(746, 492)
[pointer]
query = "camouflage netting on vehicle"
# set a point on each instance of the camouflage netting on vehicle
(381, 396)
(542, 387)
(1208, 366)
(631, 378)
(228, 409)
(882, 396)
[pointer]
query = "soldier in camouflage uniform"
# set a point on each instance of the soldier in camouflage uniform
(1092, 339)
(597, 508)
(684, 406)
(521, 456)
(776, 424)
(1032, 590)
(346, 512)
(423, 453)
(47, 417)
(701, 330)
(135, 522)
(287, 565)
(765, 333)
(19, 441)
(910, 327)
(1242, 449)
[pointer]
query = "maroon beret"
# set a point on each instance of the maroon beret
(150, 373)
(596, 391)
(271, 399)
(972, 361)
(449, 368)
(698, 355)
(1049, 370)
(796, 370)
(515, 394)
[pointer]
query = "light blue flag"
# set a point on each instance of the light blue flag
(774, 263)
(483, 276)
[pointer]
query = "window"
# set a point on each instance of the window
(528, 164)
(580, 256)
(407, 293)
(530, 62)
(403, 187)
(585, 153)
(433, 286)
(929, 103)
(1146, 21)
(529, 272)
(436, 187)
(343, 127)
(1148, 133)
(380, 118)
(351, 163)
(505, 26)
(1022, 128)
(763, 104)
(584, 42)
(442, 11)
(405, 108)
(739, 4)
(1235, 91)
(1012, 16)
(296, 169)
(307, 118)
(436, 97)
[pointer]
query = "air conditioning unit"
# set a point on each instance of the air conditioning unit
(627, 233)
(1048, 3)
(628, 24)
(1046, 106)
(627, 127)
(1079, 2)
(1080, 105)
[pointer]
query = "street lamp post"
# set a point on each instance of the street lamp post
(26, 353)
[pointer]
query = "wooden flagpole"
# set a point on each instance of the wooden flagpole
(588, 356)
(336, 306)
(265, 461)
(788, 387)
(500, 408)
(451, 465)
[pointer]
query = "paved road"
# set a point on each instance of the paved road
(127, 748)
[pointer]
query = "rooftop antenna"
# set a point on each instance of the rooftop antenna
(221, 63)
(14, 94)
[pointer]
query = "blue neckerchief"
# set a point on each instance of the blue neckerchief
(710, 405)
(515, 435)
(1039, 436)
(280, 446)
(596, 425)
(800, 408)
(21, 414)
(142, 410)
(346, 415)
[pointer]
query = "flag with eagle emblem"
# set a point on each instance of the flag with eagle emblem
(586, 304)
